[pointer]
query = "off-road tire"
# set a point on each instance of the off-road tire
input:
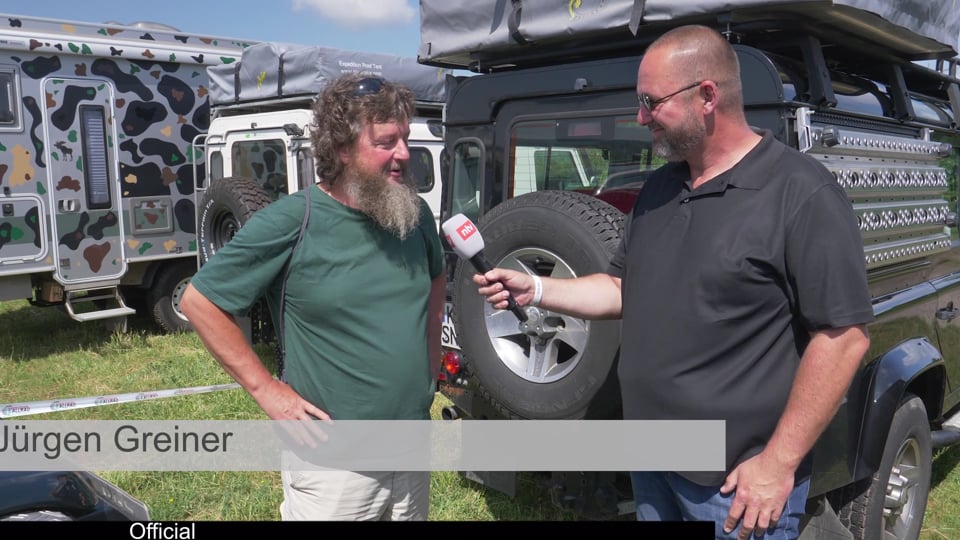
(226, 205)
(163, 299)
(905, 471)
(573, 372)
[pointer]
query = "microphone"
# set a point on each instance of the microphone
(464, 237)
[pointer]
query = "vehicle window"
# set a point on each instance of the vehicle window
(263, 161)
(927, 111)
(215, 166)
(95, 166)
(306, 171)
(9, 116)
(559, 168)
(578, 153)
(421, 167)
(465, 187)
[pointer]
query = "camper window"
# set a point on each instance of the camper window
(8, 99)
(97, 172)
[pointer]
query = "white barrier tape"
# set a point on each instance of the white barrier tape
(11, 410)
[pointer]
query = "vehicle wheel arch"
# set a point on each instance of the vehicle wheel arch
(892, 378)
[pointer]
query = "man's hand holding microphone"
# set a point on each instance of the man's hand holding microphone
(496, 284)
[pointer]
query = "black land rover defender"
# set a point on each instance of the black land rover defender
(545, 154)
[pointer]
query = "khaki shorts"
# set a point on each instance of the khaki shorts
(355, 496)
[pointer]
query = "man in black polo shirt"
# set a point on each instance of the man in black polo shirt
(742, 288)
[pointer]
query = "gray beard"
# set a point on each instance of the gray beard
(395, 208)
(680, 143)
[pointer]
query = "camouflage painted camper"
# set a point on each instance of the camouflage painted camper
(96, 163)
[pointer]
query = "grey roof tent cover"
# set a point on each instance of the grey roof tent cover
(469, 33)
(270, 70)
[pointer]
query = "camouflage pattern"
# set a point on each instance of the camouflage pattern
(97, 164)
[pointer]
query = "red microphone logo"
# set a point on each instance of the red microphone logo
(466, 230)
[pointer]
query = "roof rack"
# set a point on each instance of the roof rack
(457, 34)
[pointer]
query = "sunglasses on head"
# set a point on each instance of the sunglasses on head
(368, 86)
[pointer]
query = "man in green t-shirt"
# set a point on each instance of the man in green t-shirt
(363, 302)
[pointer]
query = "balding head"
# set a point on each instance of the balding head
(696, 53)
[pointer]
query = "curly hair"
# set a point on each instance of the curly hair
(343, 108)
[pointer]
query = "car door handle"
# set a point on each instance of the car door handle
(947, 314)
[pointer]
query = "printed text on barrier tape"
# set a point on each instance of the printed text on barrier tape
(10, 410)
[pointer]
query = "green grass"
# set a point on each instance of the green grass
(45, 355)
(942, 519)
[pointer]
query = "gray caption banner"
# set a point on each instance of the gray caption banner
(363, 445)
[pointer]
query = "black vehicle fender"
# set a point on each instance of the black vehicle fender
(65, 495)
(914, 366)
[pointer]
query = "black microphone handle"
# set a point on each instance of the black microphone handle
(481, 263)
(483, 266)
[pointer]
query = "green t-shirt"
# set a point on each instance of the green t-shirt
(356, 303)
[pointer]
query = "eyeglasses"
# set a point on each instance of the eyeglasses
(368, 86)
(649, 103)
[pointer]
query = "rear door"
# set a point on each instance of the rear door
(80, 152)
(272, 149)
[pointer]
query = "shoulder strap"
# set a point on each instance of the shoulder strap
(281, 346)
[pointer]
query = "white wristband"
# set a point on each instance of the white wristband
(537, 290)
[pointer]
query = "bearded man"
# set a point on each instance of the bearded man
(362, 305)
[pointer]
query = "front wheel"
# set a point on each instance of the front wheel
(892, 503)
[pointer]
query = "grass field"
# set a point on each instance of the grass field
(44, 355)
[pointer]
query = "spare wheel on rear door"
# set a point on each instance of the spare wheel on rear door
(225, 207)
(564, 367)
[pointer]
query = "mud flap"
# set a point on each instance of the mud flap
(821, 522)
(591, 495)
(503, 481)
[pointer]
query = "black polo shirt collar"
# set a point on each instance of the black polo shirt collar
(745, 174)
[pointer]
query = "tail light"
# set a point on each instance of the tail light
(451, 363)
